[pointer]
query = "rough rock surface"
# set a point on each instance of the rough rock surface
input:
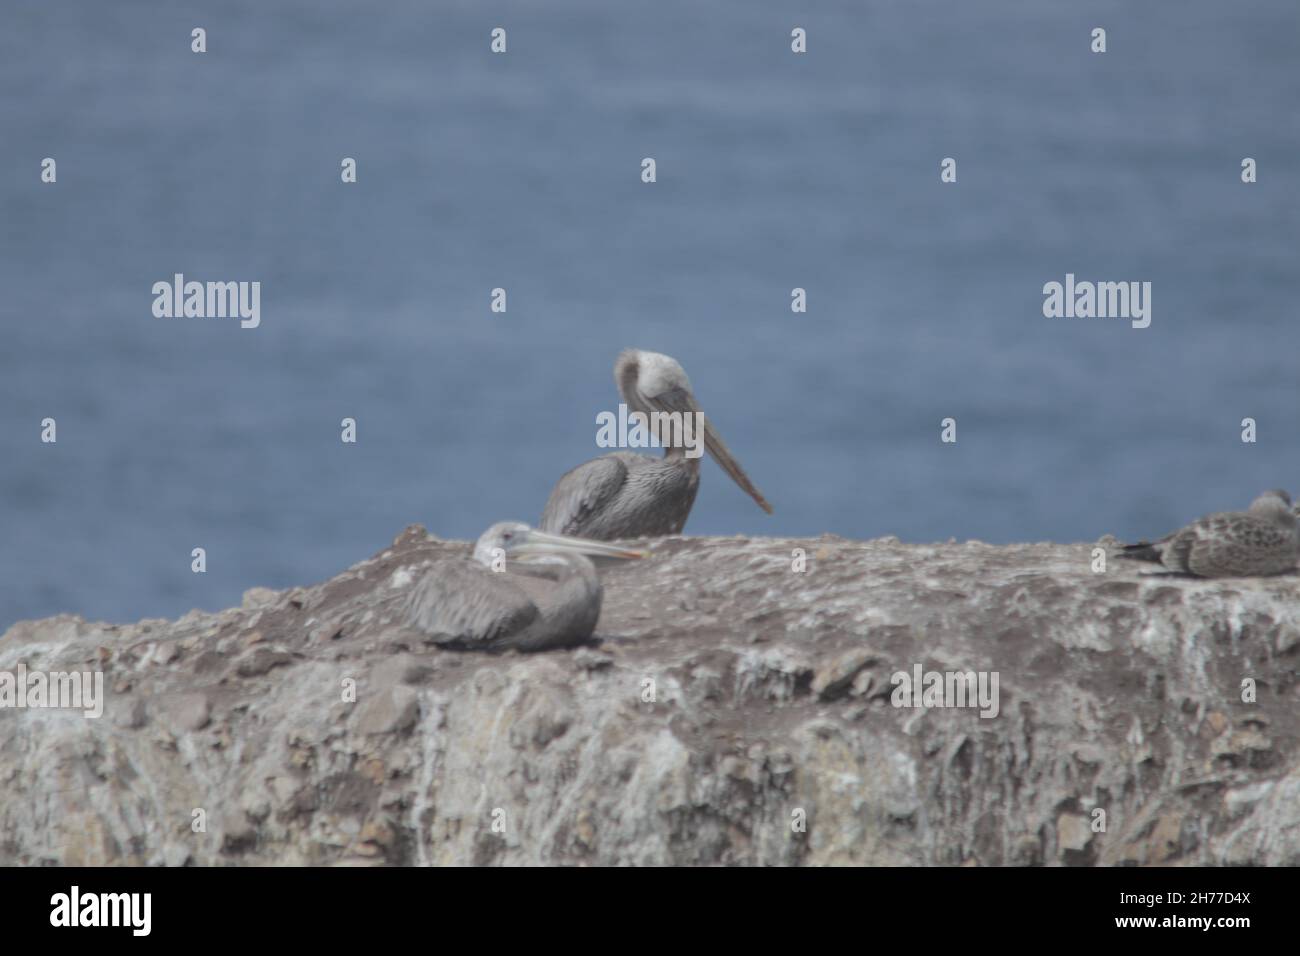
(770, 739)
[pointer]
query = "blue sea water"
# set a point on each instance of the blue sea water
(522, 171)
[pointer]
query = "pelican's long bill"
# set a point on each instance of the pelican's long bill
(681, 401)
(536, 544)
(722, 455)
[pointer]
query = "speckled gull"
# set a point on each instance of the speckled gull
(1264, 540)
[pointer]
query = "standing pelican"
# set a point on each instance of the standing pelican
(625, 495)
(470, 605)
(1262, 541)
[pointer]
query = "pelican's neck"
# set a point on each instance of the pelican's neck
(562, 568)
(625, 374)
(574, 608)
(677, 455)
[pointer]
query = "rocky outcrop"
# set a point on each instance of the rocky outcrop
(735, 710)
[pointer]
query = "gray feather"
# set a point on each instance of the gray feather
(623, 495)
(461, 604)
(582, 492)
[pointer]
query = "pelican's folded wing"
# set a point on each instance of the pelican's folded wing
(458, 603)
(583, 491)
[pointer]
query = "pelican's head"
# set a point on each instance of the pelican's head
(1275, 503)
(516, 540)
(652, 373)
(652, 382)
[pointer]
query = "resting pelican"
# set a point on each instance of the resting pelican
(1262, 541)
(625, 495)
(476, 604)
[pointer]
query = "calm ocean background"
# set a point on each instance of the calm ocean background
(523, 171)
